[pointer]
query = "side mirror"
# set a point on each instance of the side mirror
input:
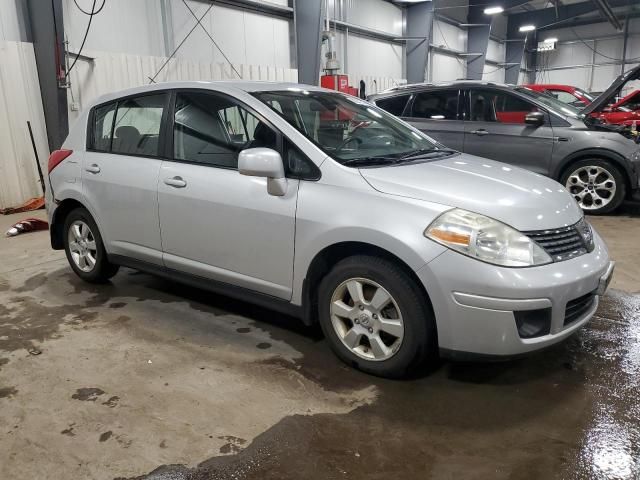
(266, 163)
(534, 118)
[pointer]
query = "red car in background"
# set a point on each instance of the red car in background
(623, 112)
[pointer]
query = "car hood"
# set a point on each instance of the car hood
(517, 197)
(608, 96)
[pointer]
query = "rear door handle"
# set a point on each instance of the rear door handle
(480, 132)
(93, 168)
(176, 182)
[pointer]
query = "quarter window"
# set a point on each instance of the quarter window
(393, 105)
(102, 124)
(496, 106)
(136, 130)
(436, 105)
(212, 129)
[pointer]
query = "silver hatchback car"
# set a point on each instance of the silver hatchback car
(323, 206)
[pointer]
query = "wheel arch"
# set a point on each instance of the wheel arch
(332, 254)
(597, 153)
(57, 221)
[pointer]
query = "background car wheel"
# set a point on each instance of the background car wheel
(375, 317)
(597, 185)
(84, 248)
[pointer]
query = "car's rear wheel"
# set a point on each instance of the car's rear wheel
(375, 317)
(85, 249)
(597, 185)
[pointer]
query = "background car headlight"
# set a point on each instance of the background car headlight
(485, 239)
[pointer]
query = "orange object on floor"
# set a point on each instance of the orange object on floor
(31, 204)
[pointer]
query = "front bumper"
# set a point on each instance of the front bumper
(474, 302)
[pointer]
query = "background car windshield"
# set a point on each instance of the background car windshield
(586, 95)
(345, 127)
(552, 102)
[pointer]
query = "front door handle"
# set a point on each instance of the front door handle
(93, 168)
(480, 132)
(176, 182)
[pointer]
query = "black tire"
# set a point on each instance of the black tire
(612, 170)
(419, 342)
(103, 270)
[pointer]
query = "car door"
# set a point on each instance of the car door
(217, 223)
(437, 113)
(496, 129)
(120, 174)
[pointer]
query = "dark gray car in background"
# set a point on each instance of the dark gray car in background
(599, 164)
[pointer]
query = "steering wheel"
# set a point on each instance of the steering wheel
(347, 141)
(373, 141)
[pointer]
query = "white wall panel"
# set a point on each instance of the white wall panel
(367, 56)
(245, 37)
(449, 36)
(112, 71)
(20, 102)
(13, 20)
(495, 51)
(580, 52)
(122, 26)
(445, 68)
(493, 73)
(376, 14)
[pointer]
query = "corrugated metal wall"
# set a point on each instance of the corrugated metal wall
(109, 72)
(20, 101)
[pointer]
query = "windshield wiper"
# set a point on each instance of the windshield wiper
(427, 153)
(407, 157)
(355, 162)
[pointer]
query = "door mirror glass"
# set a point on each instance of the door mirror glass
(534, 118)
(265, 163)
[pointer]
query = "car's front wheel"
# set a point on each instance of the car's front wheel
(85, 249)
(597, 185)
(375, 317)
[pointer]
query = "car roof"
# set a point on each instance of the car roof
(420, 86)
(218, 85)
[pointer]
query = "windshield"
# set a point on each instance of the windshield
(552, 102)
(350, 130)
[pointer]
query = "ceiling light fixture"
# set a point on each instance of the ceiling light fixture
(527, 28)
(493, 10)
(551, 40)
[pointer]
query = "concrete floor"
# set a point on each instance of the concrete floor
(148, 379)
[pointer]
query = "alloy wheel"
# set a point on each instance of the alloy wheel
(82, 246)
(592, 186)
(367, 319)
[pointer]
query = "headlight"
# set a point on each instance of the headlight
(584, 228)
(486, 239)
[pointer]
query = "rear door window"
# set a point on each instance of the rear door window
(393, 105)
(136, 130)
(436, 105)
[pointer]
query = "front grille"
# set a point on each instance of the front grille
(577, 307)
(560, 243)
